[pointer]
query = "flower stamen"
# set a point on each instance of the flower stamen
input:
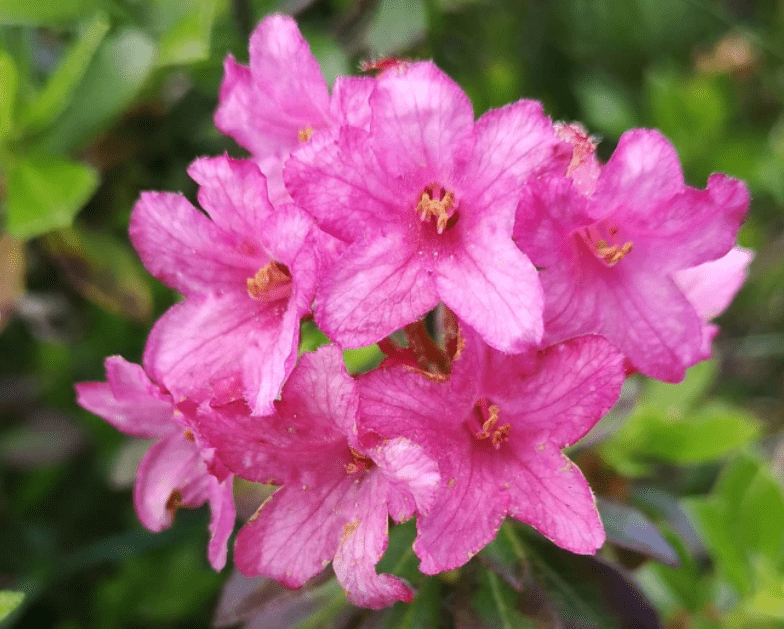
(303, 135)
(271, 282)
(488, 414)
(436, 205)
(605, 247)
(360, 462)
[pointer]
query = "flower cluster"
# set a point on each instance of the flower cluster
(511, 279)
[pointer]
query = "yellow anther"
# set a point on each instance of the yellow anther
(268, 278)
(305, 134)
(428, 207)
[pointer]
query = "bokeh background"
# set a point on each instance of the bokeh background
(100, 99)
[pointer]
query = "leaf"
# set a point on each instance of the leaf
(423, 612)
(362, 359)
(607, 106)
(104, 270)
(35, 13)
(676, 398)
(44, 193)
(188, 40)
(628, 528)
(60, 86)
(396, 26)
(703, 436)
(114, 77)
(9, 83)
(9, 601)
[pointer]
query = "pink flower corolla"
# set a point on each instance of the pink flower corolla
(426, 200)
(282, 99)
(248, 275)
(340, 483)
(609, 258)
(496, 425)
(178, 469)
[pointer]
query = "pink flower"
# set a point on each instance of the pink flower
(248, 276)
(426, 201)
(278, 102)
(340, 482)
(177, 471)
(609, 260)
(497, 426)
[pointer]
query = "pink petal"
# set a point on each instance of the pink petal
(643, 170)
(514, 144)
(362, 544)
(495, 289)
(710, 287)
(233, 192)
(129, 400)
(422, 122)
(184, 249)
(223, 516)
(375, 288)
(411, 475)
(549, 493)
(171, 474)
(296, 532)
(349, 104)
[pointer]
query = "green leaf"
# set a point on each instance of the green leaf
(188, 39)
(112, 80)
(677, 398)
(9, 83)
(35, 13)
(496, 604)
(9, 601)
(607, 106)
(59, 88)
(423, 612)
(362, 359)
(44, 193)
(705, 435)
(628, 528)
(396, 26)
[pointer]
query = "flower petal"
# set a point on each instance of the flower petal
(129, 401)
(375, 288)
(222, 519)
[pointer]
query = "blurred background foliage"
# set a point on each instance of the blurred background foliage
(100, 99)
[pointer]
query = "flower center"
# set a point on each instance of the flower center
(603, 240)
(305, 134)
(483, 423)
(436, 203)
(271, 282)
(359, 462)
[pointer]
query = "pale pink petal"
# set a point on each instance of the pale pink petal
(494, 288)
(184, 249)
(710, 287)
(550, 493)
(129, 401)
(422, 124)
(411, 475)
(295, 533)
(223, 516)
(350, 100)
(514, 144)
(643, 170)
(363, 541)
(375, 288)
(235, 115)
(171, 474)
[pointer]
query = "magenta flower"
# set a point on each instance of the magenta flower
(178, 470)
(497, 426)
(282, 99)
(608, 260)
(340, 482)
(426, 201)
(248, 275)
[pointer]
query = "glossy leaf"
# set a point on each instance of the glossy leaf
(44, 193)
(188, 39)
(628, 528)
(9, 601)
(60, 86)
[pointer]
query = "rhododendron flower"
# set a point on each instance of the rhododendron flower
(248, 275)
(178, 470)
(497, 425)
(426, 200)
(282, 99)
(340, 482)
(609, 259)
